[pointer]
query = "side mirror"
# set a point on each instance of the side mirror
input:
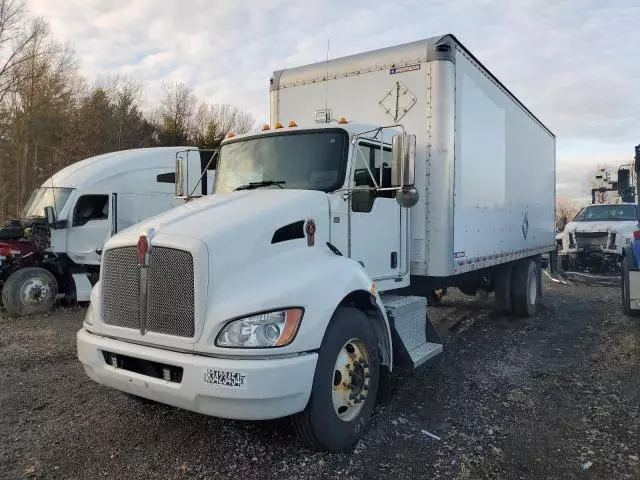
(179, 177)
(403, 166)
(403, 163)
(50, 217)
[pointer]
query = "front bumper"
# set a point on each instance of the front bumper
(272, 388)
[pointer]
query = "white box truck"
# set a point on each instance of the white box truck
(301, 282)
(53, 251)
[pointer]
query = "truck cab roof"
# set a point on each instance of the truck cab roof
(351, 128)
(96, 169)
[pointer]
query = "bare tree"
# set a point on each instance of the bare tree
(566, 210)
(175, 114)
(213, 122)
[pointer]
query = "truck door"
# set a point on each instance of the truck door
(375, 228)
(89, 227)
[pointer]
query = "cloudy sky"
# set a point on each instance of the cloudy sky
(573, 62)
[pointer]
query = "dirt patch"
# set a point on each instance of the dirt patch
(555, 396)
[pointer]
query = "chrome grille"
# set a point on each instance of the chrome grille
(170, 302)
(170, 291)
(121, 288)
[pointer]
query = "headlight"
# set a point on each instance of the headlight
(273, 329)
(88, 318)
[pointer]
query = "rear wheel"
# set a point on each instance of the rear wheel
(345, 384)
(29, 291)
(524, 289)
(502, 289)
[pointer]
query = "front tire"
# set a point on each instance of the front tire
(29, 291)
(345, 384)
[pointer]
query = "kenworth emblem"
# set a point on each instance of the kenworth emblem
(310, 230)
(141, 248)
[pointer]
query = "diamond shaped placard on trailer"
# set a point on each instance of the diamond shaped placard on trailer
(398, 101)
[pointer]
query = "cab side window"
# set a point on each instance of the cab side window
(379, 163)
(90, 207)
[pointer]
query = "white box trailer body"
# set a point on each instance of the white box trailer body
(299, 284)
(485, 165)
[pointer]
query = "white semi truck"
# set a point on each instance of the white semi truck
(301, 282)
(54, 250)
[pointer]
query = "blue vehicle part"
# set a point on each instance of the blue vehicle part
(632, 252)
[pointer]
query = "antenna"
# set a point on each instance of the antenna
(326, 90)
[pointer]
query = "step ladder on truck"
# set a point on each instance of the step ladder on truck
(630, 275)
(298, 286)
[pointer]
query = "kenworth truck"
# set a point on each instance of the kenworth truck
(299, 285)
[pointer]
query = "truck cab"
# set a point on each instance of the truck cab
(54, 250)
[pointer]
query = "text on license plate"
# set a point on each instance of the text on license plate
(225, 378)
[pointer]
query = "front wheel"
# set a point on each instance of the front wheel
(345, 384)
(29, 291)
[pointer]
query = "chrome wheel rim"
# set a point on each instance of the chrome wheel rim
(351, 380)
(35, 291)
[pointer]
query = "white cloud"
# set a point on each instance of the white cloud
(573, 63)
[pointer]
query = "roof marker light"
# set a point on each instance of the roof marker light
(292, 123)
(278, 125)
(266, 127)
(342, 120)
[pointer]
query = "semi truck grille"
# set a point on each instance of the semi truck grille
(588, 239)
(170, 295)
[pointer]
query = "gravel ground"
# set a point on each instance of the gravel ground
(556, 396)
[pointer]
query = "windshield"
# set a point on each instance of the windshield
(606, 213)
(301, 160)
(46, 197)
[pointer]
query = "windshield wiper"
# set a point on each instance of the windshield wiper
(264, 183)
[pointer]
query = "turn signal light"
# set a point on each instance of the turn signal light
(342, 120)
(266, 127)
(278, 125)
(292, 123)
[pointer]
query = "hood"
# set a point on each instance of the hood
(253, 212)
(620, 227)
(236, 230)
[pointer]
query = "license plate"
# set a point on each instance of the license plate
(225, 378)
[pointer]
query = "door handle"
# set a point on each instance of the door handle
(394, 259)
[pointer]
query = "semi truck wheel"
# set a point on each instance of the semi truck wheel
(502, 288)
(524, 289)
(29, 291)
(345, 384)
(625, 288)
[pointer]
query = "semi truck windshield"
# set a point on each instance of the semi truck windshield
(295, 160)
(46, 197)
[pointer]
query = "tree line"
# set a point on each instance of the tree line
(51, 116)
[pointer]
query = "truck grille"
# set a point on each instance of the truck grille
(589, 239)
(170, 295)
